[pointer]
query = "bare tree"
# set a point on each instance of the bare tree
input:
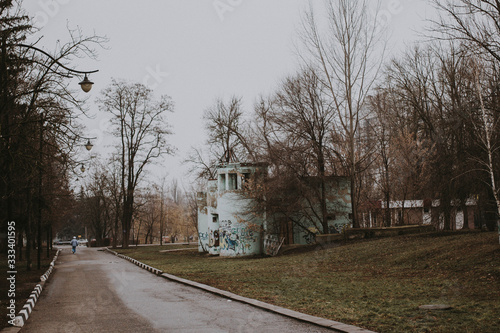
(228, 139)
(488, 130)
(161, 189)
(303, 121)
(202, 162)
(475, 22)
(97, 203)
(149, 215)
(140, 126)
(191, 204)
(116, 195)
(348, 57)
(225, 125)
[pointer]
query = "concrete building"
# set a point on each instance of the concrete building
(229, 225)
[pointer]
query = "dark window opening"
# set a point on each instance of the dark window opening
(331, 217)
(222, 182)
(233, 181)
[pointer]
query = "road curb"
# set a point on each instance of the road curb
(25, 312)
(334, 325)
(137, 262)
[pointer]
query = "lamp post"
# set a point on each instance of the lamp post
(40, 176)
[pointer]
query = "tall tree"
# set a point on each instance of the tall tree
(303, 120)
(140, 126)
(228, 138)
(348, 57)
(488, 129)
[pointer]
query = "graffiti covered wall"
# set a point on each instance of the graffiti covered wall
(237, 239)
(240, 234)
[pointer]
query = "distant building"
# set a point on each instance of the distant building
(227, 225)
(420, 212)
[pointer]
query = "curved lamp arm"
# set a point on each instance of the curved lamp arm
(57, 62)
(86, 84)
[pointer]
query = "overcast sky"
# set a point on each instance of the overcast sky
(195, 51)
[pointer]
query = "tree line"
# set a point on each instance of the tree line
(39, 133)
(422, 125)
(41, 142)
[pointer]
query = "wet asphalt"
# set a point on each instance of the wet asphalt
(94, 291)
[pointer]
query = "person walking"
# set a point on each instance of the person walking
(74, 244)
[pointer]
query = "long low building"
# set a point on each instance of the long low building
(421, 212)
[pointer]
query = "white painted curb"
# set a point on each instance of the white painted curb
(25, 312)
(137, 262)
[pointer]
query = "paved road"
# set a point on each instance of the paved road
(93, 291)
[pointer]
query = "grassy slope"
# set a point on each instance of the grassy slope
(375, 284)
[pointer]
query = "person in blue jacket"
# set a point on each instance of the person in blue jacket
(74, 244)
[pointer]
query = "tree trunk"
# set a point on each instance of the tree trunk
(29, 242)
(126, 223)
(324, 212)
(466, 217)
(387, 210)
(127, 220)
(20, 245)
(447, 217)
(355, 223)
(489, 151)
(48, 241)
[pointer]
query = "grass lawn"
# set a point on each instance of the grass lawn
(377, 284)
(25, 281)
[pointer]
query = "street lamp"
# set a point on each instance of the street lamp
(86, 84)
(88, 145)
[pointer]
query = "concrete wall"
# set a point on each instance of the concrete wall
(240, 233)
(373, 232)
(201, 199)
(338, 207)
